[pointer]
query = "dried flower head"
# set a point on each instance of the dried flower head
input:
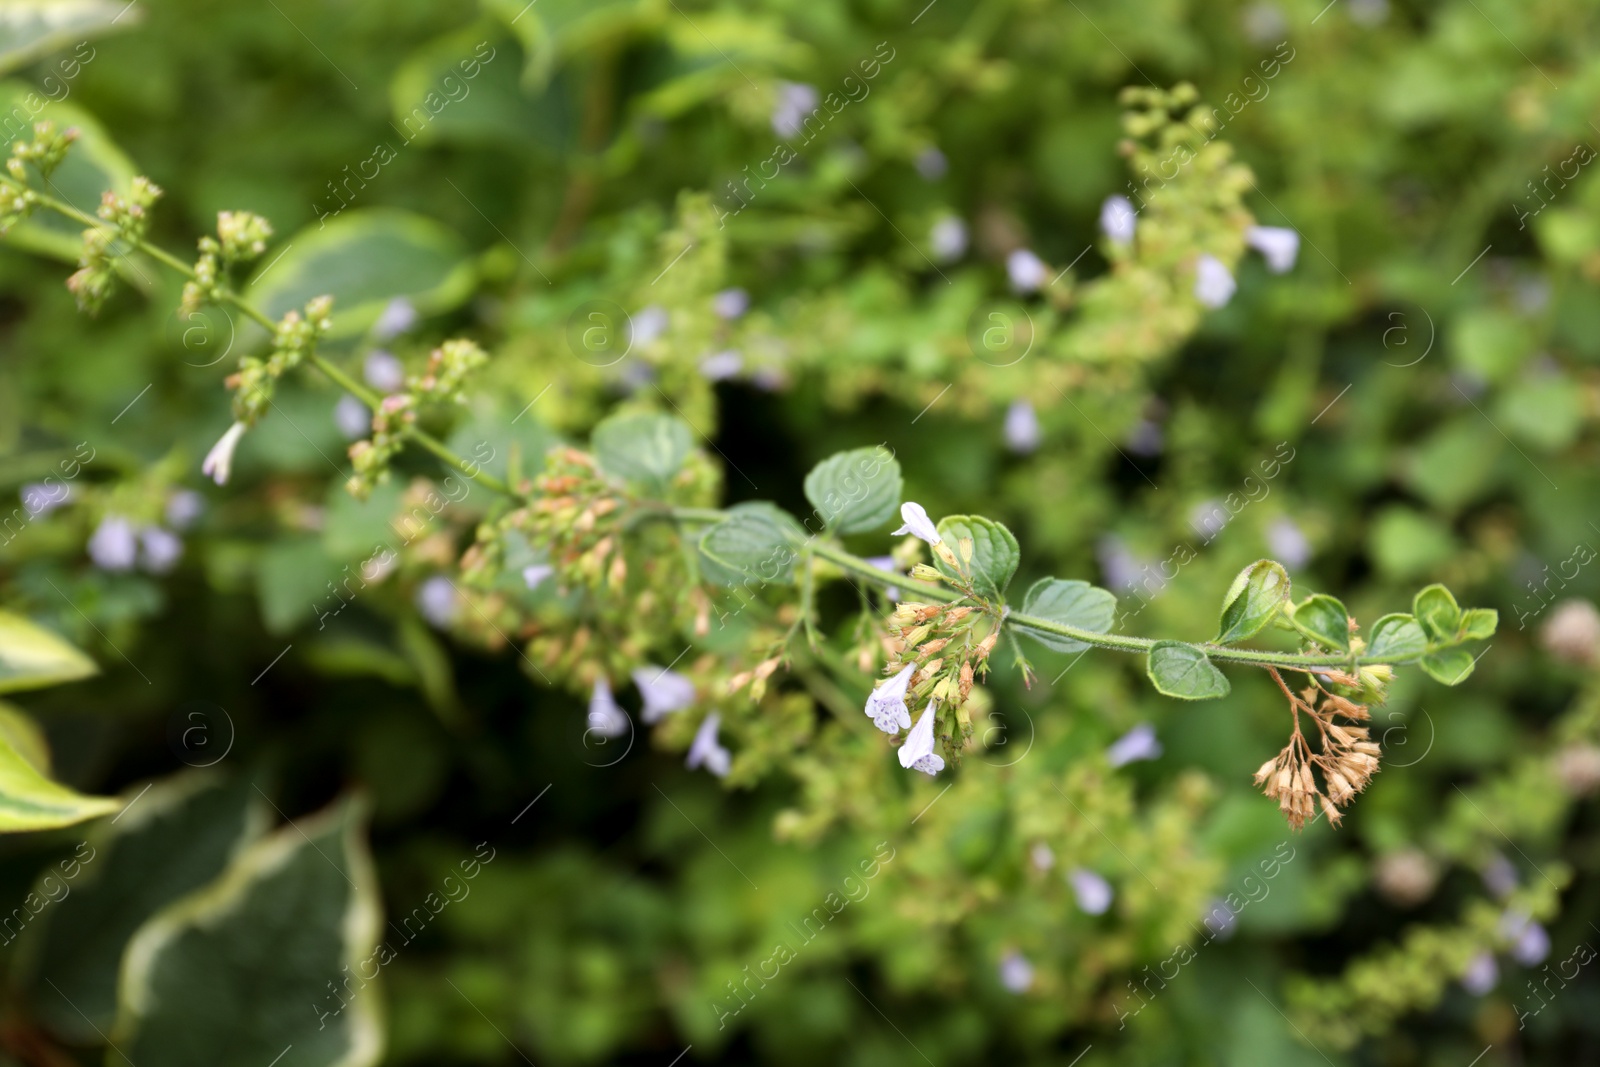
(1346, 758)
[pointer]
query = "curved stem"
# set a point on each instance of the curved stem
(228, 296)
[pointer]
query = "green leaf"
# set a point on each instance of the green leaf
(94, 165)
(757, 543)
(238, 971)
(1396, 637)
(1183, 671)
(994, 552)
(1323, 619)
(364, 259)
(643, 447)
(32, 657)
(33, 28)
(19, 730)
(1450, 666)
(1436, 610)
(857, 490)
(1478, 624)
(175, 838)
(30, 801)
(1071, 603)
(1255, 596)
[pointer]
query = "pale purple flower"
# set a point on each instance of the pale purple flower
(397, 317)
(730, 303)
(535, 573)
(1145, 439)
(1287, 543)
(160, 549)
(1118, 564)
(886, 563)
(383, 371)
(351, 416)
(1481, 975)
(1016, 973)
(916, 523)
(1022, 427)
(1139, 743)
(1500, 877)
(219, 461)
(1026, 270)
(706, 751)
(1042, 855)
(796, 102)
(1264, 23)
(948, 239)
(917, 753)
(1530, 942)
(1213, 282)
(1093, 892)
(605, 719)
(886, 705)
(1220, 919)
(769, 378)
(1117, 219)
(114, 546)
(931, 164)
(663, 691)
(40, 498)
(720, 366)
(183, 508)
(648, 323)
(1369, 12)
(1278, 245)
(438, 601)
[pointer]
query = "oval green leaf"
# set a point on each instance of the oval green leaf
(1451, 667)
(1436, 611)
(1478, 624)
(1256, 595)
(1183, 671)
(756, 544)
(1071, 603)
(857, 490)
(1396, 637)
(30, 801)
(644, 447)
(994, 552)
(1323, 619)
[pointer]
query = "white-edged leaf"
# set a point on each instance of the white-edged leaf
(234, 972)
(30, 801)
(32, 657)
(33, 28)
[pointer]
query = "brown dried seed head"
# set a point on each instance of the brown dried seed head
(1267, 770)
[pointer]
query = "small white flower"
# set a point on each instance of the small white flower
(161, 549)
(1027, 271)
(397, 317)
(605, 718)
(1138, 743)
(917, 753)
(1043, 856)
(1481, 975)
(1287, 543)
(1277, 244)
(917, 523)
(1016, 973)
(351, 416)
(705, 751)
(1213, 284)
(383, 371)
(1022, 427)
(183, 508)
(219, 461)
(113, 546)
(931, 164)
(796, 102)
(887, 704)
(948, 239)
(438, 601)
(535, 574)
(720, 366)
(663, 691)
(648, 324)
(1117, 219)
(1093, 892)
(40, 499)
(730, 303)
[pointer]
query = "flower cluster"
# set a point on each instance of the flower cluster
(394, 417)
(128, 218)
(447, 371)
(241, 237)
(1347, 761)
(46, 151)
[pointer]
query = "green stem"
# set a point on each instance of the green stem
(228, 296)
